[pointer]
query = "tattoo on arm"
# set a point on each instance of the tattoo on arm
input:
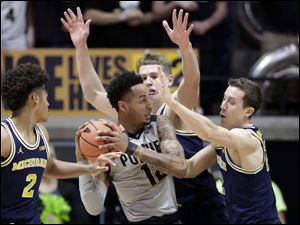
(171, 160)
(165, 129)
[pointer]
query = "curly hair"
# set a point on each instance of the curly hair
(17, 84)
(121, 86)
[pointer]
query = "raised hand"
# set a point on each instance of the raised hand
(79, 31)
(180, 34)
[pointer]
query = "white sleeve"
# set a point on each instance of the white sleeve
(92, 193)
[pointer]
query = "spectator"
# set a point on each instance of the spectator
(120, 24)
(16, 25)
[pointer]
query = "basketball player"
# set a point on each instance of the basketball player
(240, 150)
(146, 193)
(202, 195)
(25, 153)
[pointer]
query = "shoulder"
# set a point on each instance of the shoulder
(241, 132)
(5, 142)
(162, 118)
(43, 130)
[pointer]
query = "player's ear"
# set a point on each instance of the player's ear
(249, 111)
(170, 80)
(123, 106)
(35, 97)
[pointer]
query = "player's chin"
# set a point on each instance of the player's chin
(44, 118)
(147, 118)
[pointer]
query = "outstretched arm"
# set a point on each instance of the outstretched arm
(235, 139)
(61, 169)
(91, 84)
(201, 161)
(171, 160)
(188, 90)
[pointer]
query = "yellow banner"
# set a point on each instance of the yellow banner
(64, 91)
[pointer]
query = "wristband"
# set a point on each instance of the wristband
(131, 148)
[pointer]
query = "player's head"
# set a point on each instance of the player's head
(242, 99)
(129, 96)
(26, 86)
(148, 69)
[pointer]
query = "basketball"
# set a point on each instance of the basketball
(87, 142)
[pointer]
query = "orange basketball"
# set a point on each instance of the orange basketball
(88, 143)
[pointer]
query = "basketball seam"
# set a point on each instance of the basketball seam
(88, 142)
(108, 148)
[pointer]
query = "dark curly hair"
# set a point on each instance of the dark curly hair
(17, 84)
(120, 86)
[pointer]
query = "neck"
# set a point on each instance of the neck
(130, 126)
(246, 122)
(24, 121)
(155, 106)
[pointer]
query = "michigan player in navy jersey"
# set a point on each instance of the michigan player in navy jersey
(25, 154)
(239, 149)
(146, 193)
(202, 195)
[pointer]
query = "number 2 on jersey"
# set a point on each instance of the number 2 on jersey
(149, 175)
(27, 192)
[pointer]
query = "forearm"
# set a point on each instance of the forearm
(188, 92)
(201, 161)
(171, 164)
(92, 193)
(104, 18)
(199, 124)
(61, 169)
(190, 68)
(89, 80)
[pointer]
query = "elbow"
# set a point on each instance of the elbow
(90, 97)
(91, 204)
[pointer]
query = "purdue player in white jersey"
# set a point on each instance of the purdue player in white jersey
(146, 194)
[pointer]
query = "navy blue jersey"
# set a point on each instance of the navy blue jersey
(203, 186)
(199, 197)
(21, 174)
(249, 194)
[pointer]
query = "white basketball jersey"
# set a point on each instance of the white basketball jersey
(13, 24)
(143, 191)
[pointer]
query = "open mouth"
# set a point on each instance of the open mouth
(152, 92)
(147, 115)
